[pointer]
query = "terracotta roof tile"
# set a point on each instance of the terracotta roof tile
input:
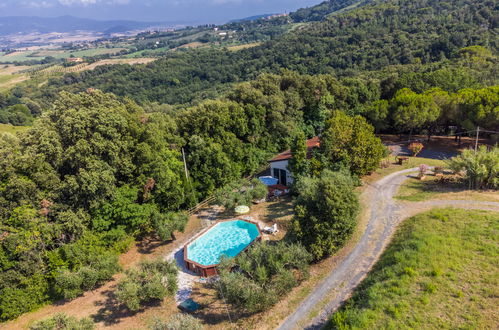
(311, 144)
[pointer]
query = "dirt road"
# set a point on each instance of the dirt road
(385, 214)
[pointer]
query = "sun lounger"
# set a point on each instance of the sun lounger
(271, 230)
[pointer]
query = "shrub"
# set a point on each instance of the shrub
(423, 168)
(62, 321)
(415, 148)
(166, 224)
(69, 284)
(325, 213)
(153, 280)
(177, 322)
(438, 170)
(480, 169)
(255, 280)
(241, 193)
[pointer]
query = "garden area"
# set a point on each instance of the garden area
(471, 175)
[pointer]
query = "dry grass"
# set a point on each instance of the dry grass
(415, 190)
(131, 61)
(10, 76)
(194, 44)
(245, 46)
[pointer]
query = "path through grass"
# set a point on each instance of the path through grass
(440, 271)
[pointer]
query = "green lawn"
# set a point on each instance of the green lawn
(415, 190)
(393, 167)
(7, 128)
(440, 272)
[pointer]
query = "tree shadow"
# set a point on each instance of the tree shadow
(279, 212)
(149, 245)
(112, 312)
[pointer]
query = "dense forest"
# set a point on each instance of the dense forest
(102, 164)
(371, 37)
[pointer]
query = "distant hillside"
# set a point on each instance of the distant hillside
(25, 25)
(320, 11)
(251, 18)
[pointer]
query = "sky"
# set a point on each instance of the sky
(185, 11)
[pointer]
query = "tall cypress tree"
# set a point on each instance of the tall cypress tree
(298, 164)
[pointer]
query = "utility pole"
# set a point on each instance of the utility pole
(476, 140)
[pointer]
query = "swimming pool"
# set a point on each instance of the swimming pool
(268, 180)
(227, 238)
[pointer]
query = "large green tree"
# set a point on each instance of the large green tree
(93, 173)
(298, 164)
(412, 110)
(325, 213)
(351, 142)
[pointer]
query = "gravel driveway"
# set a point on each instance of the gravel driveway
(385, 214)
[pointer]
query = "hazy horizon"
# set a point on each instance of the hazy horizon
(187, 11)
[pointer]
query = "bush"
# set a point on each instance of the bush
(241, 193)
(166, 224)
(62, 321)
(153, 280)
(70, 284)
(423, 168)
(438, 170)
(325, 213)
(15, 301)
(255, 280)
(415, 148)
(177, 322)
(480, 170)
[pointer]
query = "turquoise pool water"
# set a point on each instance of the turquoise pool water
(225, 238)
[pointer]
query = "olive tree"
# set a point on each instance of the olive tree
(480, 169)
(257, 279)
(325, 213)
(153, 280)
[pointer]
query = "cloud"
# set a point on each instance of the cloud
(37, 4)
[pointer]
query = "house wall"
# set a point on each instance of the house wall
(283, 165)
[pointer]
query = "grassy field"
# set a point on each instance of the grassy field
(441, 271)
(146, 52)
(393, 167)
(37, 55)
(243, 46)
(415, 190)
(7, 128)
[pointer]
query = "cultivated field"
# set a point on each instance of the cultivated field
(29, 55)
(10, 75)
